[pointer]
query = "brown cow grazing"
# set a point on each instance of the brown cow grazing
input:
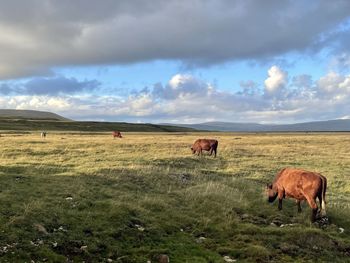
(206, 145)
(300, 185)
(117, 134)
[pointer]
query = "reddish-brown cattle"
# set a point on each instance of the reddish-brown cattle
(206, 145)
(117, 134)
(300, 185)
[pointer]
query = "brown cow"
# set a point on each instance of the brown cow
(117, 134)
(206, 145)
(300, 185)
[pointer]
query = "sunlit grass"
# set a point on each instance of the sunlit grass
(93, 194)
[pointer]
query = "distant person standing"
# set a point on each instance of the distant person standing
(43, 134)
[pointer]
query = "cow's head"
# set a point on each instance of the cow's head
(192, 150)
(271, 193)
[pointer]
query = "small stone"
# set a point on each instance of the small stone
(228, 259)
(273, 224)
(109, 260)
(284, 225)
(69, 198)
(54, 244)
(139, 227)
(201, 239)
(61, 228)
(83, 248)
(245, 216)
(341, 230)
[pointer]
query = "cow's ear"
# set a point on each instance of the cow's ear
(269, 186)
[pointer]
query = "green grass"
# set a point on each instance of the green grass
(91, 198)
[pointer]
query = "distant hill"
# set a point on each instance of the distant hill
(30, 114)
(331, 125)
(29, 120)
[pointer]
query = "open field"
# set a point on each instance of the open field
(95, 199)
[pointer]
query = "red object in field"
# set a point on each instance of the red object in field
(117, 134)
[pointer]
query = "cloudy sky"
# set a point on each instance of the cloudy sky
(180, 61)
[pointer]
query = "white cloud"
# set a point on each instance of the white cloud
(37, 103)
(186, 98)
(276, 81)
(334, 87)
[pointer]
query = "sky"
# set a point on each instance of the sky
(177, 61)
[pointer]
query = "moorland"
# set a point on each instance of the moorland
(76, 197)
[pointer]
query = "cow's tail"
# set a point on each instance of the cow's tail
(324, 189)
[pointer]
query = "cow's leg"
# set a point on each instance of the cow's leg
(280, 198)
(279, 204)
(322, 211)
(215, 152)
(211, 151)
(313, 205)
(299, 206)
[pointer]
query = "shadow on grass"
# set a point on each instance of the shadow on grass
(131, 216)
(31, 169)
(191, 162)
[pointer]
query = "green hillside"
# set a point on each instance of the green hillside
(50, 125)
(31, 120)
(30, 114)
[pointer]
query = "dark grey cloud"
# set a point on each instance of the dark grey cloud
(49, 86)
(57, 85)
(39, 35)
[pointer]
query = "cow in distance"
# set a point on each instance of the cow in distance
(205, 145)
(116, 134)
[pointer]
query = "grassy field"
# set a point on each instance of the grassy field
(73, 198)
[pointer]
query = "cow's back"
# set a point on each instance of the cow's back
(297, 182)
(205, 144)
